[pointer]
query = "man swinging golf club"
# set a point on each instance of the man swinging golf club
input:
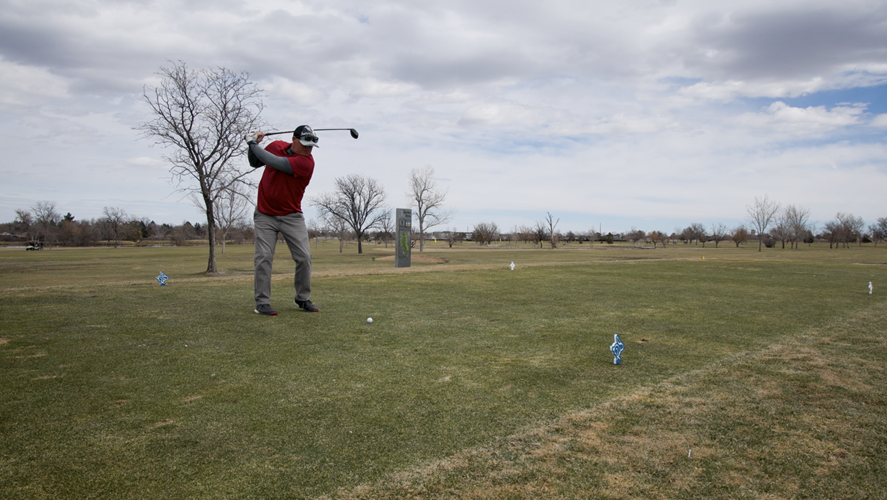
(279, 211)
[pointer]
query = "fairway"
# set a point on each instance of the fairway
(472, 381)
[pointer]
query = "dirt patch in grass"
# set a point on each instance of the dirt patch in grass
(162, 423)
(805, 417)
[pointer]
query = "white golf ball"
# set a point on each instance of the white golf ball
(369, 320)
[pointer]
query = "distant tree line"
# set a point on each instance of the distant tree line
(44, 225)
(768, 223)
(787, 226)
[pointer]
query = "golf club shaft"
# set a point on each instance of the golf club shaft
(353, 132)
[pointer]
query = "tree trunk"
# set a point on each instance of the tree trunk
(211, 234)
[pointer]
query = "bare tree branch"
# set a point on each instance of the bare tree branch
(358, 201)
(760, 215)
(428, 200)
(550, 225)
(201, 118)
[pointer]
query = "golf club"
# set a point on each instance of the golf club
(353, 132)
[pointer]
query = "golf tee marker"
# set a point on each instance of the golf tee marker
(616, 348)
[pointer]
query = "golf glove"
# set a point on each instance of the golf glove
(252, 138)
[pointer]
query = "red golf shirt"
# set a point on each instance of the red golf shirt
(280, 193)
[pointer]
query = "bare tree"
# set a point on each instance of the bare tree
(485, 232)
(24, 223)
(339, 228)
(525, 234)
(386, 227)
(781, 230)
(453, 236)
(697, 230)
(797, 220)
(760, 214)
(114, 224)
(657, 237)
(847, 228)
(636, 236)
(550, 225)
(833, 233)
(718, 233)
(46, 221)
(315, 229)
(233, 207)
(879, 230)
(428, 199)
(202, 116)
(358, 201)
(592, 235)
(739, 235)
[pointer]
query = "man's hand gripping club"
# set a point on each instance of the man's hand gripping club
(254, 137)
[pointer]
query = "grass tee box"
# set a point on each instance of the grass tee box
(471, 378)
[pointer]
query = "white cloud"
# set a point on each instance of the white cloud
(730, 90)
(780, 117)
(29, 86)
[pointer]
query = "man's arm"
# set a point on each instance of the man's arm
(265, 158)
(253, 159)
(258, 157)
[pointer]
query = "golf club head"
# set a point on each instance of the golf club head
(351, 130)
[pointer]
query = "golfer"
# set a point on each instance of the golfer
(279, 211)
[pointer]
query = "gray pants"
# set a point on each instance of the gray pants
(295, 233)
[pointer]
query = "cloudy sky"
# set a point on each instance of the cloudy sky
(652, 114)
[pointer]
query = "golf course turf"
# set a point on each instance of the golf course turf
(745, 374)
